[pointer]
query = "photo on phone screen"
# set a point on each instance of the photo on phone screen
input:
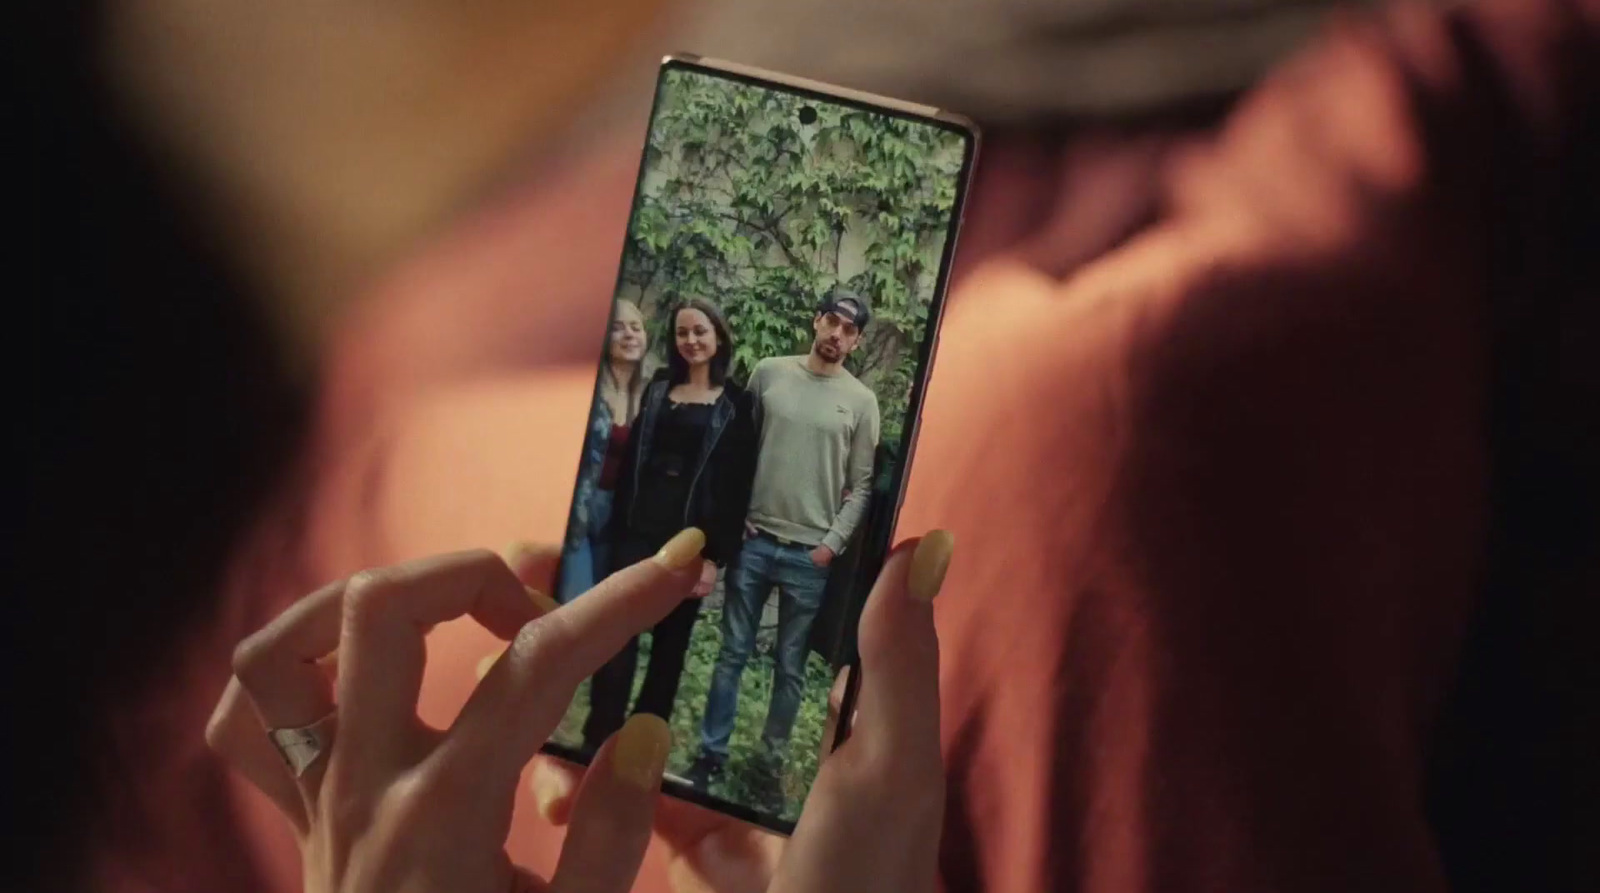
(771, 332)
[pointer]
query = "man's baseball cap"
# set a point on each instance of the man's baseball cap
(849, 306)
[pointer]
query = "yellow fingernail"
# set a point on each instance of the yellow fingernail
(929, 563)
(640, 754)
(543, 602)
(487, 663)
(681, 549)
(549, 790)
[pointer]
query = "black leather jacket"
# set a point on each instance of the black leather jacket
(719, 488)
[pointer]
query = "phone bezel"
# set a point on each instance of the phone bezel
(928, 346)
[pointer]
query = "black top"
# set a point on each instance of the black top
(688, 465)
(663, 485)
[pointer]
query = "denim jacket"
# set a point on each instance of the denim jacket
(719, 485)
(593, 460)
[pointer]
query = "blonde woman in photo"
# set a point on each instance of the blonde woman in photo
(586, 557)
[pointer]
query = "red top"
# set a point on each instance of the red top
(615, 450)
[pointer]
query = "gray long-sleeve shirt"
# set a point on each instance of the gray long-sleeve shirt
(818, 437)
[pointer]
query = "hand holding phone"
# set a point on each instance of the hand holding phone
(877, 815)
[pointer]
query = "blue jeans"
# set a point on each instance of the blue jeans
(763, 563)
(586, 561)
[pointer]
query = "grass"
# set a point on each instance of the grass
(755, 693)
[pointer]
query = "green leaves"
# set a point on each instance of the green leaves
(746, 206)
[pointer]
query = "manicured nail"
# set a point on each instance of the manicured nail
(486, 664)
(550, 790)
(543, 602)
(640, 754)
(681, 549)
(929, 563)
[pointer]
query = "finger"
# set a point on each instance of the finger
(898, 704)
(277, 668)
(708, 852)
(382, 650)
(519, 702)
(614, 810)
(534, 567)
(235, 733)
(534, 564)
(877, 804)
(555, 785)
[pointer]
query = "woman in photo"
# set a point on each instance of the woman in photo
(689, 462)
(586, 558)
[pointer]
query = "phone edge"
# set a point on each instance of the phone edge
(823, 88)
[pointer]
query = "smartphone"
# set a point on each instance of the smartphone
(774, 320)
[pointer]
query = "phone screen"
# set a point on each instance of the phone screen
(771, 331)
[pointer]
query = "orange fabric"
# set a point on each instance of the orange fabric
(1220, 496)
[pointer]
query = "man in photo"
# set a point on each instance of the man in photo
(818, 435)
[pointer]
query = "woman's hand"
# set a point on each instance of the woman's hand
(707, 581)
(872, 821)
(382, 802)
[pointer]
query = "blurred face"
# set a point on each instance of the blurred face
(628, 341)
(331, 134)
(696, 340)
(836, 337)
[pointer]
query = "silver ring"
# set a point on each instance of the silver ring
(302, 747)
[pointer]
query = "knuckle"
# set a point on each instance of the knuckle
(251, 656)
(495, 570)
(486, 560)
(542, 646)
(367, 594)
(488, 565)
